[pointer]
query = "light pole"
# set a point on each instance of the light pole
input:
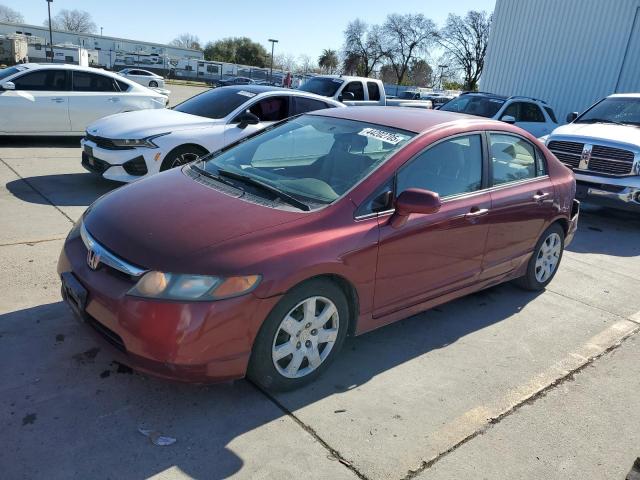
(273, 43)
(50, 31)
(100, 31)
(442, 67)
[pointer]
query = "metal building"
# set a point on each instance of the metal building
(570, 53)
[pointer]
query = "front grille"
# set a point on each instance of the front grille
(608, 160)
(105, 143)
(109, 335)
(137, 166)
(94, 164)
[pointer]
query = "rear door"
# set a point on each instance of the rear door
(268, 109)
(522, 198)
(93, 96)
(39, 103)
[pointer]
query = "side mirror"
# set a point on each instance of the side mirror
(247, 118)
(8, 86)
(346, 96)
(572, 116)
(508, 119)
(414, 200)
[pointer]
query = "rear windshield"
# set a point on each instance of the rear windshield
(474, 105)
(327, 87)
(216, 103)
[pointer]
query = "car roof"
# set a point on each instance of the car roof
(484, 94)
(346, 77)
(66, 66)
(415, 120)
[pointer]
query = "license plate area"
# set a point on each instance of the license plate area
(74, 294)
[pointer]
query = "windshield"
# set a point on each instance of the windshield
(625, 110)
(315, 159)
(327, 87)
(6, 72)
(474, 105)
(216, 103)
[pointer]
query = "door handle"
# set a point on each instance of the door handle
(114, 99)
(57, 100)
(540, 196)
(476, 212)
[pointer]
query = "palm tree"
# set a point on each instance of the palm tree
(328, 60)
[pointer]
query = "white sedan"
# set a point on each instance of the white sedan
(143, 77)
(56, 99)
(133, 145)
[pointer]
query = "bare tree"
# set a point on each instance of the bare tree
(465, 41)
(75, 20)
(187, 40)
(362, 48)
(403, 38)
(305, 63)
(10, 15)
(285, 62)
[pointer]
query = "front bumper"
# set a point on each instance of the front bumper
(120, 165)
(616, 192)
(195, 342)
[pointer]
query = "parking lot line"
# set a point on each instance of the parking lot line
(476, 421)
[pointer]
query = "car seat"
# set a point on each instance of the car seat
(340, 168)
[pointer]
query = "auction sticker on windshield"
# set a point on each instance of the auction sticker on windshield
(244, 93)
(387, 137)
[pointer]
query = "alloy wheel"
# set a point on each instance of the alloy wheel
(548, 257)
(305, 337)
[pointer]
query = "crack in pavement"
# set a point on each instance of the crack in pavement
(36, 190)
(332, 451)
(31, 242)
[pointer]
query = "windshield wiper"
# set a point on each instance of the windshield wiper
(290, 199)
(602, 120)
(206, 173)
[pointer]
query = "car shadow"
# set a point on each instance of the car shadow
(90, 408)
(607, 231)
(62, 190)
(40, 142)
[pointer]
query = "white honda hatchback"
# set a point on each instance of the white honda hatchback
(57, 99)
(134, 145)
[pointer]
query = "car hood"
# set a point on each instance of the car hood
(144, 123)
(629, 135)
(160, 222)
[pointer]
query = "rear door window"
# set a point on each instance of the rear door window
(512, 159)
(374, 91)
(551, 113)
(92, 82)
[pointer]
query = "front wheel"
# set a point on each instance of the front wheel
(300, 337)
(545, 260)
(181, 156)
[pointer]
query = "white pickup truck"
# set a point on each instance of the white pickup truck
(354, 91)
(602, 147)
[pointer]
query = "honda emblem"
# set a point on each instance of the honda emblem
(93, 260)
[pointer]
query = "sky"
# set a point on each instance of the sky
(302, 27)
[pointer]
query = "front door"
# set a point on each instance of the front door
(436, 253)
(39, 103)
(522, 202)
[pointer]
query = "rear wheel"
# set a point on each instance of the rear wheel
(545, 260)
(153, 84)
(181, 156)
(300, 337)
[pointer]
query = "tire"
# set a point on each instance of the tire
(181, 156)
(544, 262)
(153, 84)
(276, 352)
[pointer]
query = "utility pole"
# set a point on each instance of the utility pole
(50, 31)
(442, 67)
(100, 31)
(273, 42)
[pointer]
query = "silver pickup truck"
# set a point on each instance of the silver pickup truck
(356, 91)
(602, 147)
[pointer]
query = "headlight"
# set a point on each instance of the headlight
(140, 142)
(172, 286)
(544, 139)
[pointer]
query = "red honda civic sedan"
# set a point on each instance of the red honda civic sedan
(261, 258)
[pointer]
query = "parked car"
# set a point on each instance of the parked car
(261, 258)
(533, 115)
(357, 91)
(57, 99)
(143, 77)
(602, 147)
(228, 81)
(437, 99)
(133, 145)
